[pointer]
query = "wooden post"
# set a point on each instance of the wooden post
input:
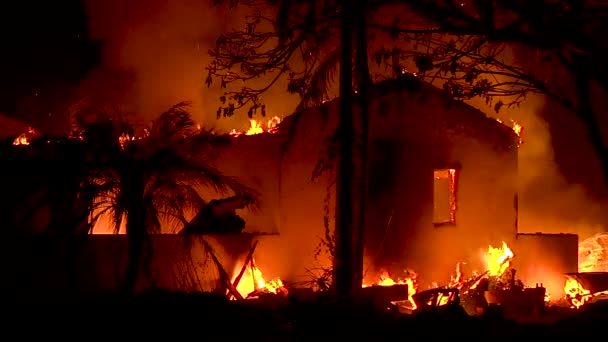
(248, 260)
(223, 274)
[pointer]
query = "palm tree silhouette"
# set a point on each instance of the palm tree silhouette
(151, 179)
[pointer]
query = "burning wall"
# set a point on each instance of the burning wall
(413, 131)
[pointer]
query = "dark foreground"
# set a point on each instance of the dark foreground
(200, 316)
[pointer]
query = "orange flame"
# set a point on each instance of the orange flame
(516, 127)
(272, 126)
(253, 281)
(498, 259)
(410, 281)
(576, 293)
(23, 138)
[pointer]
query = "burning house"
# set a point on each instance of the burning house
(442, 186)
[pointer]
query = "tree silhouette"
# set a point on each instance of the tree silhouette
(304, 42)
(158, 176)
(459, 46)
(565, 35)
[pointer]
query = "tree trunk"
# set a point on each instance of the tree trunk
(343, 260)
(135, 226)
(363, 83)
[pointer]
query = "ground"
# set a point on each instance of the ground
(175, 315)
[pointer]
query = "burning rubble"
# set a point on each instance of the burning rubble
(498, 262)
(497, 285)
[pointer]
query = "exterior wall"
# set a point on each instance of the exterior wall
(426, 132)
(43, 265)
(411, 133)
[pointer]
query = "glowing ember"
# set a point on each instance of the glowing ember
(576, 294)
(498, 259)
(272, 126)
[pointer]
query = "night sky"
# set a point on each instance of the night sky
(46, 51)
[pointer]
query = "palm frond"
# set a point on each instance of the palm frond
(321, 81)
(174, 123)
(153, 224)
(172, 199)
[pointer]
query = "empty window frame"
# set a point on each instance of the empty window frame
(444, 196)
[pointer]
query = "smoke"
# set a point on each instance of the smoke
(154, 56)
(155, 53)
(557, 190)
(555, 187)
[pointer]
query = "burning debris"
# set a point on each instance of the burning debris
(583, 288)
(249, 282)
(409, 279)
(253, 285)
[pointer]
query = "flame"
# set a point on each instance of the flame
(256, 128)
(253, 281)
(23, 138)
(498, 259)
(576, 293)
(547, 296)
(272, 126)
(409, 280)
(516, 127)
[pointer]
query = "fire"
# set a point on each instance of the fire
(516, 127)
(255, 128)
(272, 126)
(410, 281)
(23, 138)
(253, 282)
(576, 293)
(498, 259)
